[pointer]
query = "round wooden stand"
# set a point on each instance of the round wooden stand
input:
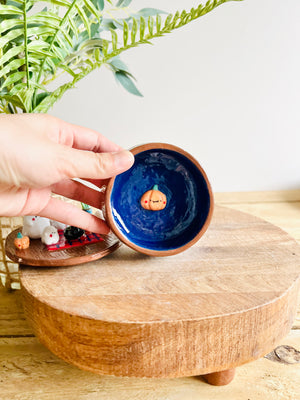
(224, 302)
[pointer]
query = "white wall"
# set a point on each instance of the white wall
(225, 88)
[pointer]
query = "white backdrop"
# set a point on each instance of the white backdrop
(226, 88)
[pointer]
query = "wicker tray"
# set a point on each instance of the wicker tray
(9, 271)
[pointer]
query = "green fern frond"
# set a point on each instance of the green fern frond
(37, 44)
(171, 23)
(133, 37)
(69, 37)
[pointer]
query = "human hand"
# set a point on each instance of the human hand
(40, 154)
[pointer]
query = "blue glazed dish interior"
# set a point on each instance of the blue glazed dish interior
(188, 200)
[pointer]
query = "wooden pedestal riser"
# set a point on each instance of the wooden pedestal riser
(226, 301)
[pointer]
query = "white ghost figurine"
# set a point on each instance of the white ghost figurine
(99, 214)
(50, 235)
(34, 225)
(58, 225)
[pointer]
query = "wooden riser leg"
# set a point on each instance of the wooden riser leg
(220, 378)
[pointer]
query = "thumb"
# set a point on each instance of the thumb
(89, 165)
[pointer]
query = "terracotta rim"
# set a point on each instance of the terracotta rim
(158, 253)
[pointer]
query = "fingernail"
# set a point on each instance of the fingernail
(123, 160)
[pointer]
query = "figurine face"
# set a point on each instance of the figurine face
(30, 220)
(154, 200)
(50, 235)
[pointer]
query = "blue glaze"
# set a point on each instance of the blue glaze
(188, 200)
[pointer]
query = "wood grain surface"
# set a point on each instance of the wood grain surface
(38, 256)
(29, 371)
(226, 301)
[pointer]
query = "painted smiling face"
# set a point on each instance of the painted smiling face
(154, 200)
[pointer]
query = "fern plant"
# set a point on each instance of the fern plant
(46, 51)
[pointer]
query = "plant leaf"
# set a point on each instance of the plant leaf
(12, 23)
(49, 100)
(114, 39)
(150, 25)
(40, 97)
(125, 33)
(123, 3)
(12, 66)
(134, 30)
(10, 10)
(127, 83)
(99, 4)
(147, 12)
(84, 19)
(10, 36)
(12, 78)
(14, 51)
(90, 6)
(72, 37)
(118, 64)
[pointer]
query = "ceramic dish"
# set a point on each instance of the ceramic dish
(163, 204)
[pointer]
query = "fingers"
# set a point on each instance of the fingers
(83, 138)
(39, 202)
(77, 191)
(72, 163)
(69, 214)
(62, 132)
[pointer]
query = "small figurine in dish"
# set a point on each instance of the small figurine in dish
(58, 225)
(72, 232)
(21, 242)
(154, 199)
(33, 226)
(86, 208)
(50, 235)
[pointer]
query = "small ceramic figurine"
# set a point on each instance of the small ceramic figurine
(99, 214)
(34, 225)
(154, 200)
(50, 235)
(58, 225)
(87, 208)
(72, 232)
(21, 242)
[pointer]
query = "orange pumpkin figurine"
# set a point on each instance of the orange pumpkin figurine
(21, 242)
(154, 200)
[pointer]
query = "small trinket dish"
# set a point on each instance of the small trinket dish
(163, 204)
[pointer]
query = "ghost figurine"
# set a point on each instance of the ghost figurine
(58, 225)
(34, 225)
(99, 214)
(50, 235)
